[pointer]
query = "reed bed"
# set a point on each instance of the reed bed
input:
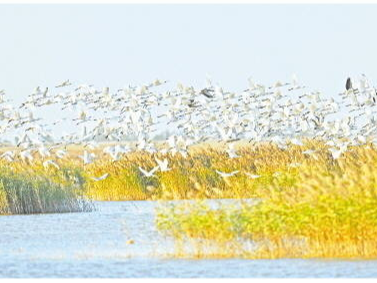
(323, 208)
(306, 205)
(193, 177)
(34, 191)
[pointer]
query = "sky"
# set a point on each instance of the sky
(117, 45)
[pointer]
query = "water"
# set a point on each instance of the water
(95, 245)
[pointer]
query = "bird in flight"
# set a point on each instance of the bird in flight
(225, 175)
(103, 177)
(63, 84)
(150, 173)
(348, 84)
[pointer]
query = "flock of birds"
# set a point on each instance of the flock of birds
(283, 113)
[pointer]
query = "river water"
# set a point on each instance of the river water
(96, 244)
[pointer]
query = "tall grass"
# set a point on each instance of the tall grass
(22, 193)
(193, 177)
(310, 205)
(323, 208)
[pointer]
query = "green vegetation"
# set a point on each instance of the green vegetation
(22, 193)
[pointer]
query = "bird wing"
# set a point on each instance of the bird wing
(252, 175)
(159, 162)
(143, 171)
(104, 176)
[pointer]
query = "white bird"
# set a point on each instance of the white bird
(225, 175)
(163, 164)
(44, 152)
(49, 162)
(8, 155)
(231, 151)
(149, 173)
(26, 155)
(362, 139)
(276, 174)
(294, 165)
(103, 177)
(64, 84)
(309, 152)
(336, 153)
(296, 141)
(252, 176)
(112, 152)
(87, 157)
(61, 153)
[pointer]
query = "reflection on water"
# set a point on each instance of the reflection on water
(96, 244)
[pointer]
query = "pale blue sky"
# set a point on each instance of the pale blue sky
(120, 44)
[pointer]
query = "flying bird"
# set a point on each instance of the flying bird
(226, 175)
(252, 176)
(163, 164)
(207, 92)
(103, 177)
(348, 84)
(64, 84)
(149, 173)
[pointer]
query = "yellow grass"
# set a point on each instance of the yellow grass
(323, 208)
(309, 206)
